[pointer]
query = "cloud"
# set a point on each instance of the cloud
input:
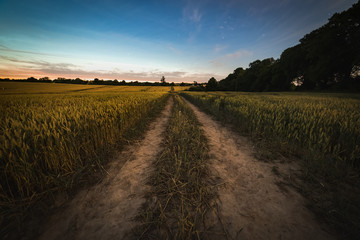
(260, 7)
(218, 48)
(220, 61)
(36, 64)
(173, 49)
(154, 74)
(7, 49)
(45, 67)
(195, 16)
(3, 47)
(192, 19)
(17, 68)
(237, 54)
(191, 12)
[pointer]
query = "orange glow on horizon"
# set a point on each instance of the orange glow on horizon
(24, 74)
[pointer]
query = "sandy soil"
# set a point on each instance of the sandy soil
(106, 210)
(250, 204)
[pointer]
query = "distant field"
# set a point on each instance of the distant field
(52, 88)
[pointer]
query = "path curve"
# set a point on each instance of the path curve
(251, 205)
(106, 210)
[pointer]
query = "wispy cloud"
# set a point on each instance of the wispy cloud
(192, 18)
(26, 68)
(191, 12)
(44, 66)
(260, 7)
(3, 47)
(7, 49)
(220, 61)
(218, 48)
(195, 15)
(237, 54)
(173, 49)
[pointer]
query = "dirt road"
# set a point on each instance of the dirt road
(251, 205)
(106, 210)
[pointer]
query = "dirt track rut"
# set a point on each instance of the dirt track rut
(250, 204)
(106, 210)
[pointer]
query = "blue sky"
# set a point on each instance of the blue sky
(144, 40)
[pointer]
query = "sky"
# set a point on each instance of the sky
(183, 40)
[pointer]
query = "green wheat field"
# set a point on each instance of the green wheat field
(52, 133)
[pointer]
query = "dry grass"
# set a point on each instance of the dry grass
(182, 193)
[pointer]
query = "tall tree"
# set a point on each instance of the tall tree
(212, 85)
(162, 80)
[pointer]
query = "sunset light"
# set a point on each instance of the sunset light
(144, 40)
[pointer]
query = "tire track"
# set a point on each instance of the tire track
(106, 210)
(250, 204)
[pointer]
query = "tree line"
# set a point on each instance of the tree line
(97, 81)
(328, 58)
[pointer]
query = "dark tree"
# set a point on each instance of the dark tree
(31, 79)
(96, 81)
(212, 85)
(44, 79)
(231, 82)
(162, 80)
(324, 59)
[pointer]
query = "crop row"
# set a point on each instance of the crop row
(47, 139)
(323, 125)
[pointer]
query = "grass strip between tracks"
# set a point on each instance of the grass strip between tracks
(182, 194)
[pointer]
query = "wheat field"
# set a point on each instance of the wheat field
(50, 133)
